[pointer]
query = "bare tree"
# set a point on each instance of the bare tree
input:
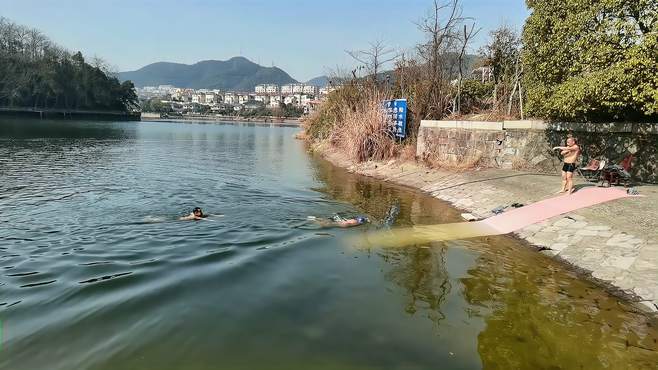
(374, 58)
(441, 27)
(468, 35)
(502, 55)
(518, 72)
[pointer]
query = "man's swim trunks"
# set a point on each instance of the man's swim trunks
(569, 167)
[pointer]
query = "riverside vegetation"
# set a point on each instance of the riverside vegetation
(577, 60)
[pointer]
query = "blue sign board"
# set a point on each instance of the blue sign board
(396, 112)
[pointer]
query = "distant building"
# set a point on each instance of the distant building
(186, 96)
(290, 99)
(267, 89)
(246, 98)
(275, 100)
(261, 89)
(286, 89)
(292, 89)
(262, 98)
(310, 89)
(230, 98)
(305, 99)
(298, 89)
(210, 98)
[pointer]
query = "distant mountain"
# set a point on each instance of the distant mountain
(237, 74)
(321, 81)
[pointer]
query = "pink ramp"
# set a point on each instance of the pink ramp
(504, 223)
(519, 218)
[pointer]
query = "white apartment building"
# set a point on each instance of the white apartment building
(274, 101)
(298, 89)
(246, 98)
(305, 99)
(261, 89)
(186, 96)
(310, 89)
(265, 99)
(290, 99)
(230, 99)
(267, 89)
(176, 94)
(286, 89)
(298, 100)
(210, 98)
(290, 88)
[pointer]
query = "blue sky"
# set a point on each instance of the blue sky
(305, 38)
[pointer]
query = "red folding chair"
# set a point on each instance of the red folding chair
(592, 172)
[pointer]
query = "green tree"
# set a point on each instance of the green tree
(592, 60)
(158, 106)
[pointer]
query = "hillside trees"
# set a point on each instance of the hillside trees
(36, 73)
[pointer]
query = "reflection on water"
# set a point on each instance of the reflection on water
(543, 316)
(96, 272)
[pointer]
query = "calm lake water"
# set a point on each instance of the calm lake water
(96, 272)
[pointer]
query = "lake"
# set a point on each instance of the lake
(97, 272)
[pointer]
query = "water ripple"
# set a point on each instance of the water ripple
(93, 251)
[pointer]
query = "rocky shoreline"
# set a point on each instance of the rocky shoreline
(614, 244)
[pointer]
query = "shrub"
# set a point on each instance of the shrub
(476, 96)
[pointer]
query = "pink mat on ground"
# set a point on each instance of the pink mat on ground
(507, 222)
(519, 218)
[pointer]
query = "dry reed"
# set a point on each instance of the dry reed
(363, 132)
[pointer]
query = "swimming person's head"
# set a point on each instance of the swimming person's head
(197, 212)
(362, 219)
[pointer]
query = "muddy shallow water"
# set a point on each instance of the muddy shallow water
(96, 272)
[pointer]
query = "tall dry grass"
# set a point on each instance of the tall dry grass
(363, 132)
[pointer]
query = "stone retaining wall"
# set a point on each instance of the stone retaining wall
(527, 144)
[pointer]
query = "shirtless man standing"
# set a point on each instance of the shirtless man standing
(570, 153)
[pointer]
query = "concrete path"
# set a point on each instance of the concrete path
(617, 242)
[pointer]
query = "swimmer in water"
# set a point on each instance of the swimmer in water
(197, 214)
(337, 221)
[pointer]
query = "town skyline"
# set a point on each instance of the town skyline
(309, 40)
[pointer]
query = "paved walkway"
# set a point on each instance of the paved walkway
(616, 241)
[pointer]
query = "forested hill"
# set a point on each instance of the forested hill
(237, 74)
(35, 72)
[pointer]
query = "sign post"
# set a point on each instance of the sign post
(396, 111)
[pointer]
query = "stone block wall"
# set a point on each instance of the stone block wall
(527, 144)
